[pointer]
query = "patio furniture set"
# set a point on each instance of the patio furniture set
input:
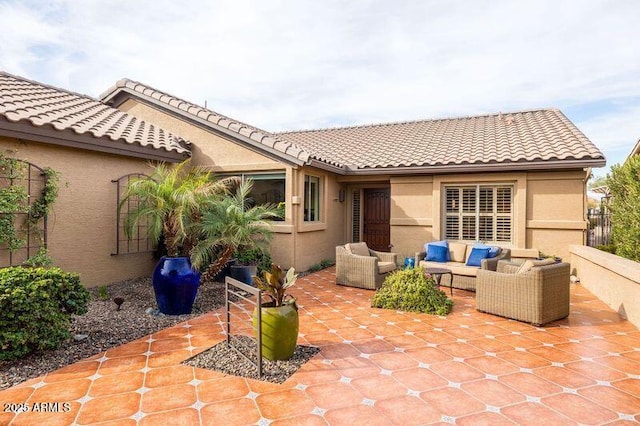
(532, 291)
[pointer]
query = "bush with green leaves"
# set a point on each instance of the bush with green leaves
(36, 305)
(624, 184)
(411, 290)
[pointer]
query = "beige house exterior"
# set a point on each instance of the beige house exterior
(516, 180)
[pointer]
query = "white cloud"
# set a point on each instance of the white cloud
(300, 64)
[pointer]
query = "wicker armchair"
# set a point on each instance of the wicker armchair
(538, 296)
(359, 266)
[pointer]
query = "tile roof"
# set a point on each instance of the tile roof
(82, 119)
(250, 134)
(542, 136)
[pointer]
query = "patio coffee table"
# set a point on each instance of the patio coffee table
(438, 272)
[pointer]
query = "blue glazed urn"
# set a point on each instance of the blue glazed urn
(409, 262)
(175, 284)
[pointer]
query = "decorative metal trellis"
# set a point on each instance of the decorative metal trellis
(138, 242)
(19, 176)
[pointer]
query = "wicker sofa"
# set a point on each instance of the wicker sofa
(537, 296)
(464, 277)
(359, 266)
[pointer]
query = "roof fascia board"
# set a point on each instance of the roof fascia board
(474, 168)
(125, 93)
(71, 139)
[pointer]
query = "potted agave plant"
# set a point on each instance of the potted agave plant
(280, 321)
(169, 201)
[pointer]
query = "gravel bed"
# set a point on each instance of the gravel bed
(104, 327)
(226, 360)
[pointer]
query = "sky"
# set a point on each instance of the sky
(300, 64)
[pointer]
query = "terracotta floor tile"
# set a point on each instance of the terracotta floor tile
(356, 415)
(373, 346)
(79, 370)
(613, 399)
(492, 392)
(545, 337)
(457, 372)
(607, 345)
(486, 418)
(284, 404)
(460, 350)
(356, 367)
(117, 383)
(595, 370)
(492, 365)
(6, 417)
(385, 330)
(579, 408)
(164, 359)
(168, 398)
(356, 334)
(340, 324)
(185, 416)
(305, 419)
(490, 345)
(465, 333)
(57, 418)
(524, 359)
(323, 339)
(564, 377)
(553, 354)
(166, 376)
(436, 337)
(406, 341)
(315, 372)
(339, 350)
(170, 344)
(518, 341)
(511, 325)
(334, 395)
(373, 321)
(580, 350)
(242, 411)
(419, 379)
(489, 330)
(122, 364)
(229, 387)
(452, 402)
(379, 387)
(174, 332)
(530, 385)
(393, 361)
(530, 413)
(16, 395)
(428, 355)
(110, 407)
(129, 349)
(620, 363)
(630, 386)
(408, 410)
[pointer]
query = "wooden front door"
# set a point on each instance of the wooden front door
(377, 212)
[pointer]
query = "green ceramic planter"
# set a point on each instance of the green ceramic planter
(279, 331)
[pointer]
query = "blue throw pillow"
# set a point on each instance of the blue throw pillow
(493, 250)
(477, 254)
(437, 253)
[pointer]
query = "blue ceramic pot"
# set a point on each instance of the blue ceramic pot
(175, 284)
(409, 262)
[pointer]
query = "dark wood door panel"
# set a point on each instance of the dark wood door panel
(376, 218)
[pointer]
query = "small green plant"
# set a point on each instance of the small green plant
(36, 305)
(39, 260)
(275, 285)
(326, 263)
(609, 248)
(320, 266)
(257, 257)
(103, 294)
(411, 290)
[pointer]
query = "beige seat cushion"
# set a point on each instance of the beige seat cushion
(458, 252)
(359, 249)
(384, 267)
(456, 268)
(529, 264)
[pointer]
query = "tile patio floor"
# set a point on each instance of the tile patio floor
(376, 367)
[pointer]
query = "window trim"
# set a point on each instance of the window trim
(318, 199)
(477, 214)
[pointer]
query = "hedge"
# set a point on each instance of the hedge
(36, 305)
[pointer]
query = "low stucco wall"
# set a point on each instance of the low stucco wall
(611, 278)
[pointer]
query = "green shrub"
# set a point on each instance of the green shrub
(36, 305)
(624, 184)
(410, 290)
(609, 248)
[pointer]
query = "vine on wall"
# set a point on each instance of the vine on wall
(14, 202)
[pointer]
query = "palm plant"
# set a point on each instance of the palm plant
(170, 200)
(230, 224)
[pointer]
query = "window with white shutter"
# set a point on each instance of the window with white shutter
(478, 213)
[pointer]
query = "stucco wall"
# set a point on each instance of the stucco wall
(82, 226)
(548, 208)
(611, 278)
